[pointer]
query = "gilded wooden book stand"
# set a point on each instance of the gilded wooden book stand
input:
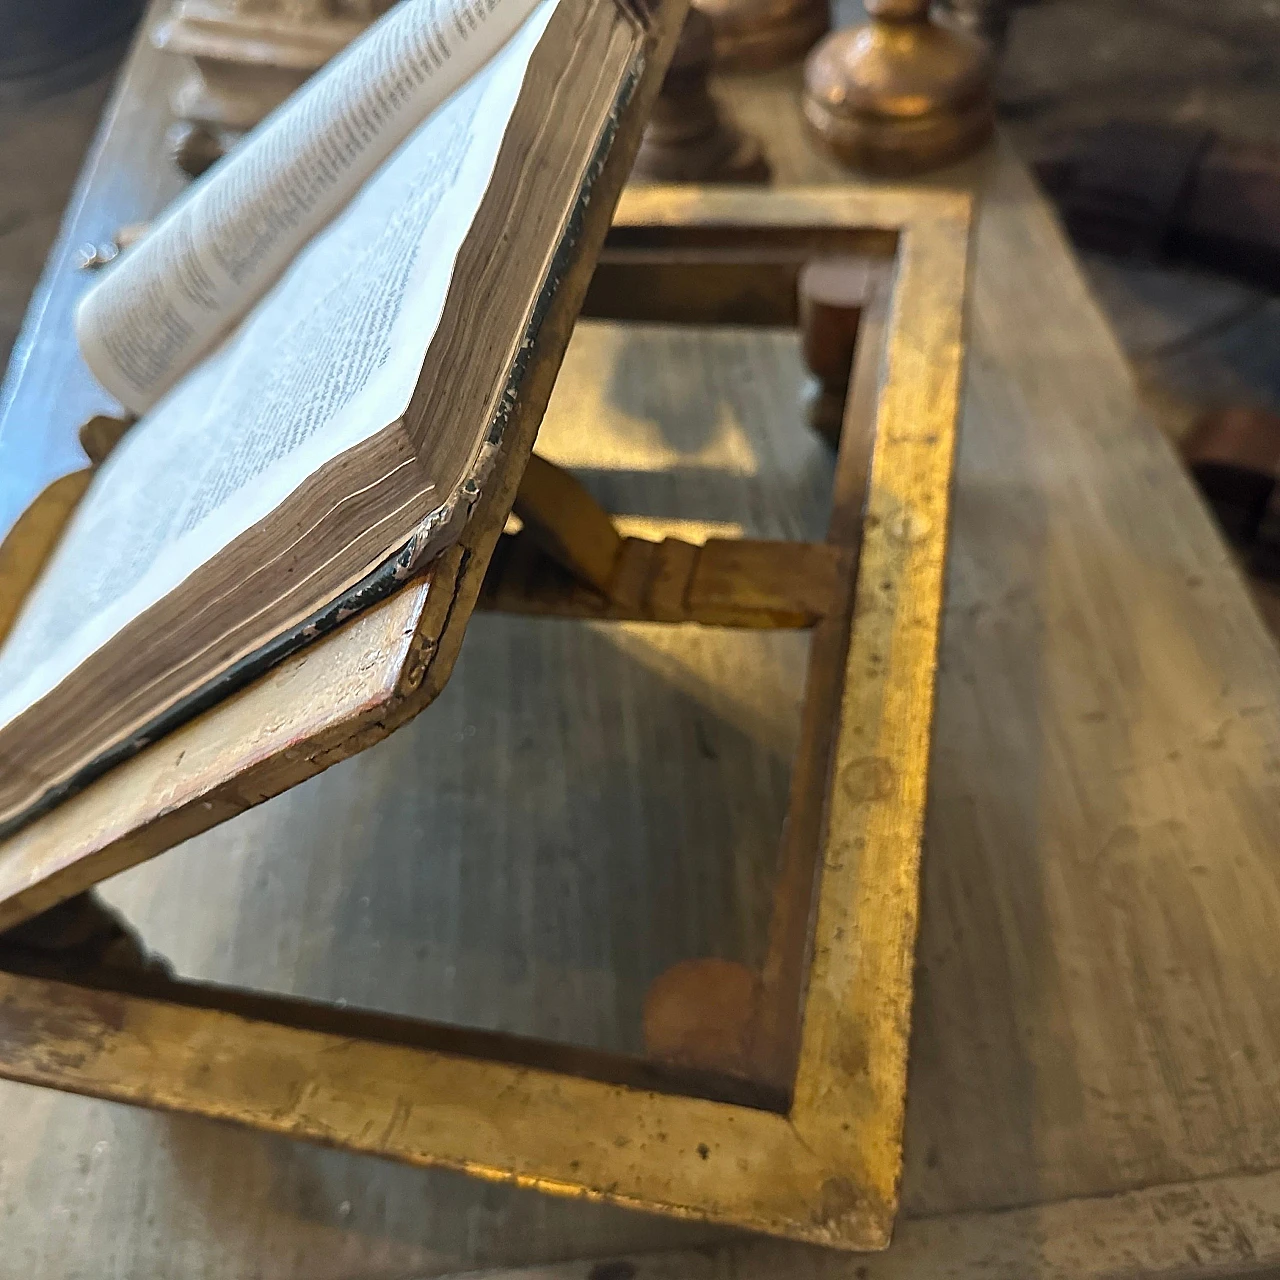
(771, 1100)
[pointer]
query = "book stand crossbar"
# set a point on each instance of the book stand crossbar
(771, 1100)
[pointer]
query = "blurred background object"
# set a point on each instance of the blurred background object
(246, 57)
(1233, 454)
(688, 137)
(1094, 93)
(899, 94)
(986, 19)
(48, 46)
(759, 35)
(1173, 192)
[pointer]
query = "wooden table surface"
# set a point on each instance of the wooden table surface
(1096, 1055)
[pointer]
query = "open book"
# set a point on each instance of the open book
(322, 338)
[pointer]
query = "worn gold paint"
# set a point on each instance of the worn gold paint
(825, 1172)
(32, 539)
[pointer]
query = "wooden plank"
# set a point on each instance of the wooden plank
(857, 1006)
(27, 956)
(739, 582)
(661, 287)
(558, 1134)
(562, 519)
(674, 272)
(1212, 1227)
(1127, 685)
(763, 577)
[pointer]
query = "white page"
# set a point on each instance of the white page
(329, 357)
(168, 301)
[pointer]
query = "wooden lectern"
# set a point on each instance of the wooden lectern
(770, 1099)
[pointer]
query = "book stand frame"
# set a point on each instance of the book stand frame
(772, 1101)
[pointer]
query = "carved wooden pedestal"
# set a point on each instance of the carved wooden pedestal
(688, 138)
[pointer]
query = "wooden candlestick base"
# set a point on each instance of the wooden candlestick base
(899, 95)
(758, 35)
(688, 138)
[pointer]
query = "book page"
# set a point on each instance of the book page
(329, 357)
(169, 299)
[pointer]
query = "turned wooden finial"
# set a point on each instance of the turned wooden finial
(758, 35)
(688, 138)
(832, 294)
(901, 94)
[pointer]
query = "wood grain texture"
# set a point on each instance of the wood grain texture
(1109, 794)
(1213, 1227)
(729, 582)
